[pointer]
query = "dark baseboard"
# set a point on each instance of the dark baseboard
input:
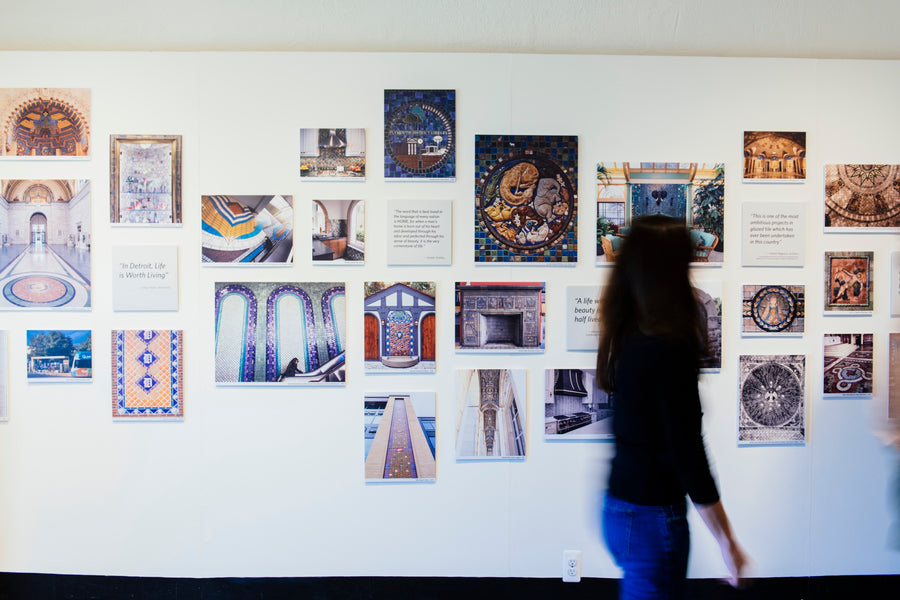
(36, 586)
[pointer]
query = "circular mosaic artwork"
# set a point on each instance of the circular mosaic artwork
(773, 308)
(526, 203)
(771, 395)
(862, 195)
(38, 291)
(418, 136)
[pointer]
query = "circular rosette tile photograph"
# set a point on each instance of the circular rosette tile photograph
(527, 203)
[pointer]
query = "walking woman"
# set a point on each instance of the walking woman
(653, 338)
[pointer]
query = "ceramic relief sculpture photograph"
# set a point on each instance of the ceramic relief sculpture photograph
(848, 364)
(400, 432)
(55, 356)
(772, 399)
(777, 310)
(147, 375)
(420, 134)
(693, 193)
(280, 333)
(848, 282)
(45, 122)
(399, 324)
(491, 406)
(775, 156)
(145, 180)
(862, 198)
(526, 199)
(574, 407)
(247, 230)
(333, 154)
(338, 232)
(499, 317)
(45, 244)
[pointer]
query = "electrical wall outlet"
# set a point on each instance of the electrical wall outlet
(571, 566)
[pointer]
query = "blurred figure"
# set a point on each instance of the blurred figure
(648, 357)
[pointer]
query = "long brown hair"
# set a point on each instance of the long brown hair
(649, 291)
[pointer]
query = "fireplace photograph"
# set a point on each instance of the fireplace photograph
(500, 317)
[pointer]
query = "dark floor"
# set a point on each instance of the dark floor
(22, 586)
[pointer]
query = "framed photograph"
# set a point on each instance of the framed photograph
(247, 230)
(419, 135)
(775, 156)
(693, 193)
(333, 154)
(338, 232)
(399, 324)
(498, 317)
(709, 300)
(59, 356)
(147, 375)
(862, 198)
(280, 333)
(526, 199)
(848, 364)
(400, 432)
(772, 399)
(45, 123)
(45, 236)
(848, 282)
(491, 409)
(574, 407)
(145, 179)
(778, 310)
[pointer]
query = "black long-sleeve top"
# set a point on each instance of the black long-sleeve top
(660, 454)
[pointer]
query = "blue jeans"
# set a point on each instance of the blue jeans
(650, 544)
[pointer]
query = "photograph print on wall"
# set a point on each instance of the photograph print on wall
(894, 376)
(400, 434)
(419, 134)
(709, 300)
(526, 198)
(778, 310)
(775, 156)
(280, 333)
(848, 364)
(59, 356)
(848, 282)
(148, 374)
(45, 244)
(145, 179)
(772, 399)
(862, 197)
(500, 317)
(45, 122)
(399, 324)
(574, 407)
(338, 232)
(333, 154)
(247, 230)
(693, 193)
(490, 414)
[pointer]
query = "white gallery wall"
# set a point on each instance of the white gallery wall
(269, 481)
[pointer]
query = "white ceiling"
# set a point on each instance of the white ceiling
(770, 28)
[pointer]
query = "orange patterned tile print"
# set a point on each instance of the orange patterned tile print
(147, 374)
